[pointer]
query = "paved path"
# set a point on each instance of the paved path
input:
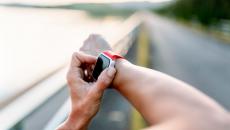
(193, 57)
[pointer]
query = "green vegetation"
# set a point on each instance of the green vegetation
(100, 10)
(207, 12)
(93, 9)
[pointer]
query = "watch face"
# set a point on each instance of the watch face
(102, 63)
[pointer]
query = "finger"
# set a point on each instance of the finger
(104, 80)
(79, 58)
(75, 73)
(74, 76)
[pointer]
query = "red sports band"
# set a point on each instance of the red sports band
(112, 55)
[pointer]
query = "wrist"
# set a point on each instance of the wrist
(120, 77)
(75, 122)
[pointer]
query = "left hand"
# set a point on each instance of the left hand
(95, 44)
(85, 95)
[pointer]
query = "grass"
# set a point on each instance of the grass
(199, 27)
(204, 29)
(100, 10)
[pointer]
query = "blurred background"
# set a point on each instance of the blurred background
(188, 39)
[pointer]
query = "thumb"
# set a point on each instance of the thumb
(105, 79)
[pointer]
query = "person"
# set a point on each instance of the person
(164, 102)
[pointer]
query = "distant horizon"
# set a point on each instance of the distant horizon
(58, 2)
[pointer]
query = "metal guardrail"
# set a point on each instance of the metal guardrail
(13, 115)
(16, 111)
(59, 117)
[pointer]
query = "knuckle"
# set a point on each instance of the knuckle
(74, 55)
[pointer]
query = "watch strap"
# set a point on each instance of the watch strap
(112, 55)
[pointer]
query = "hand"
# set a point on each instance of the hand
(85, 95)
(95, 44)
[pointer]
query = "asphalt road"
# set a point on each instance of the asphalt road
(191, 56)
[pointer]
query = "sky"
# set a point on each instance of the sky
(74, 1)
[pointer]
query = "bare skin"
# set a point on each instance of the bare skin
(85, 94)
(165, 102)
(94, 45)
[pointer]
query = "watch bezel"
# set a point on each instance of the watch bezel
(111, 64)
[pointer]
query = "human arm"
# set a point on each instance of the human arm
(167, 103)
(85, 94)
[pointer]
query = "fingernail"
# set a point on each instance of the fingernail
(111, 71)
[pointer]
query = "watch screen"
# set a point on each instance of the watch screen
(102, 63)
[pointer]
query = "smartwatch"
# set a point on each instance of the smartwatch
(105, 59)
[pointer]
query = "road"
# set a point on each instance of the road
(191, 56)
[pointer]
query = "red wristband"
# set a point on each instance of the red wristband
(112, 55)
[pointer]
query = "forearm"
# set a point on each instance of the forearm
(159, 97)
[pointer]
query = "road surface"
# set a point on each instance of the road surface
(191, 56)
